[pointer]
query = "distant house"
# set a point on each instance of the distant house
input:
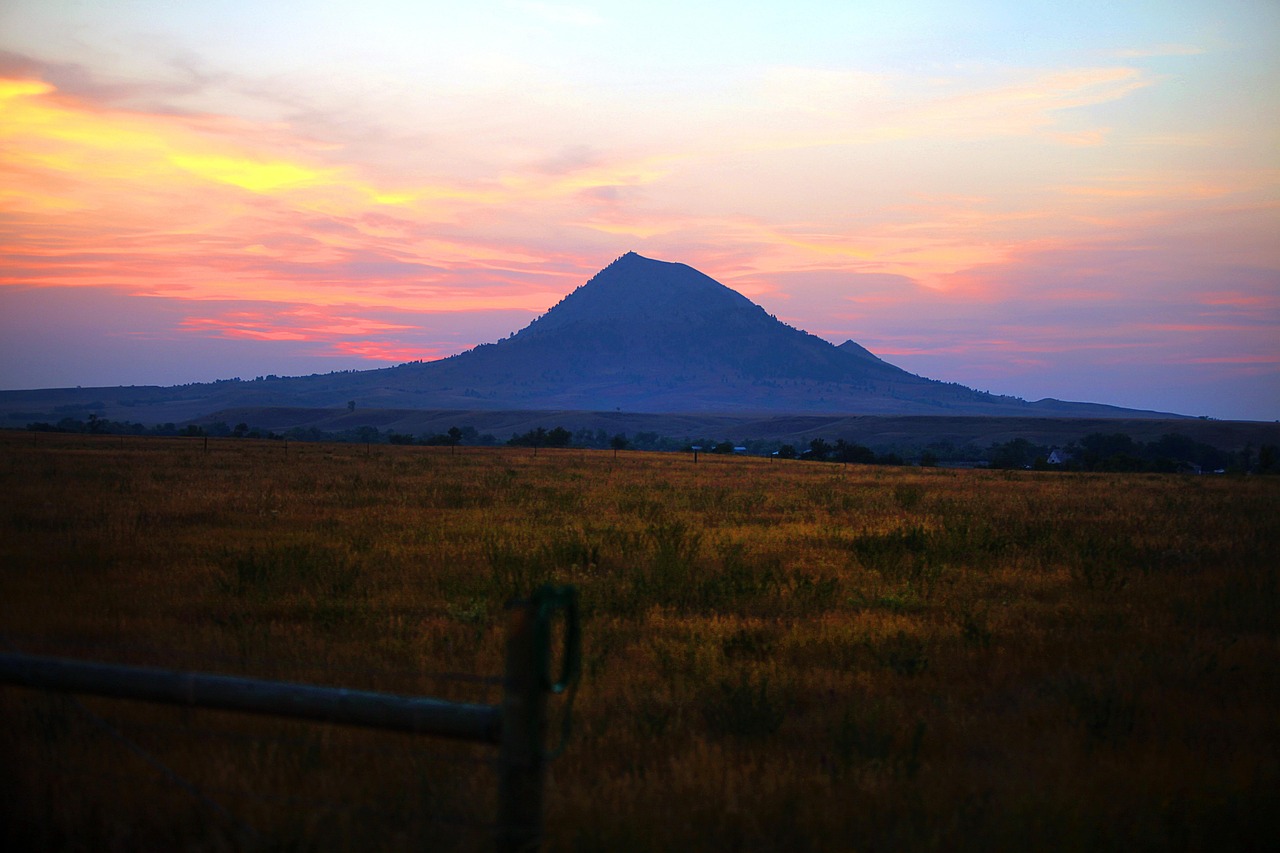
(1059, 457)
(739, 449)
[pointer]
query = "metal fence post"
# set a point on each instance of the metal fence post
(524, 708)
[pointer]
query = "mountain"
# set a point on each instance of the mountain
(641, 336)
(652, 336)
(646, 335)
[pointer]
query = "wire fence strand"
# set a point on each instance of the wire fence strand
(175, 778)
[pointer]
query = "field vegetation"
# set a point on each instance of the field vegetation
(777, 654)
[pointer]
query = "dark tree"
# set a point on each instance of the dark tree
(1018, 453)
(559, 437)
(852, 452)
(818, 450)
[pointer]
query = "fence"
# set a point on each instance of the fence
(517, 725)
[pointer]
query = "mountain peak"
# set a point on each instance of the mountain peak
(636, 290)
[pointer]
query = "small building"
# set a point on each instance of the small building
(1059, 457)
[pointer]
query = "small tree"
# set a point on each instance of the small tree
(853, 452)
(618, 442)
(534, 438)
(818, 449)
(559, 437)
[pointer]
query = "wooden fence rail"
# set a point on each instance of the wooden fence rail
(517, 725)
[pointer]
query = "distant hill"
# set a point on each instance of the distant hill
(641, 336)
(881, 432)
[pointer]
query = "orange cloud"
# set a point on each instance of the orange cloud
(106, 156)
(211, 208)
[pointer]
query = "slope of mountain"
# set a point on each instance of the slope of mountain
(641, 336)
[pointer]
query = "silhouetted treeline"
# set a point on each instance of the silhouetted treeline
(94, 425)
(842, 451)
(1095, 452)
(1170, 453)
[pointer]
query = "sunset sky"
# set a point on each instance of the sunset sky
(1074, 200)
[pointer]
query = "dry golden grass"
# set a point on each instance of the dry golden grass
(778, 655)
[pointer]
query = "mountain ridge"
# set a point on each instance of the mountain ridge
(641, 335)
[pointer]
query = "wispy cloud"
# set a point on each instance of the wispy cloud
(1159, 50)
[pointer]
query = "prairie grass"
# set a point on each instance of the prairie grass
(777, 654)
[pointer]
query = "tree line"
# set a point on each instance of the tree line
(1170, 453)
(1094, 452)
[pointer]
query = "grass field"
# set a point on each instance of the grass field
(777, 655)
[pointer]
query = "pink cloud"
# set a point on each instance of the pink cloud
(388, 352)
(1238, 359)
(300, 324)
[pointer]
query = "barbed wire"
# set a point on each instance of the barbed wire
(205, 794)
(119, 777)
(175, 778)
(156, 764)
(309, 741)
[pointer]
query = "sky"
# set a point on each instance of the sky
(1044, 199)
